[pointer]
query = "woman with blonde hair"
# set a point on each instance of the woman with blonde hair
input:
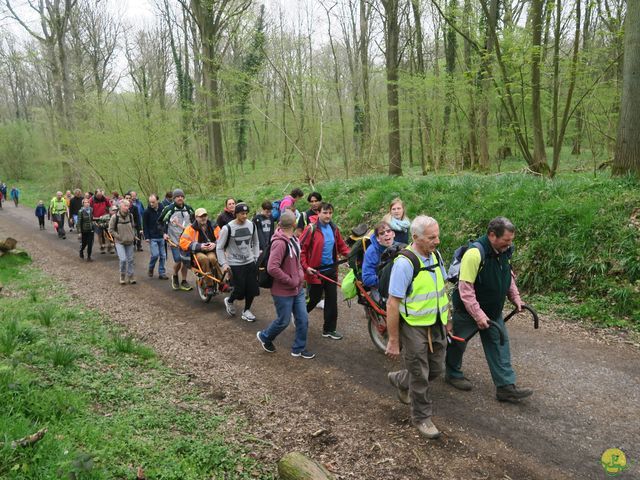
(398, 220)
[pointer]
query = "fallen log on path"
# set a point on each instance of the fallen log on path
(296, 466)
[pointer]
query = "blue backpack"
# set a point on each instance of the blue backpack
(275, 212)
(453, 274)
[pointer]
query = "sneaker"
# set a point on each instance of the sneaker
(320, 304)
(184, 285)
(89, 259)
(150, 273)
(175, 282)
(333, 335)
(513, 394)
(132, 280)
(304, 354)
(248, 316)
(428, 429)
(162, 276)
(122, 279)
(81, 254)
(461, 383)
(231, 309)
(102, 252)
(401, 393)
(267, 346)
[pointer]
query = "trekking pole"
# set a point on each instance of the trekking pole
(491, 324)
(531, 310)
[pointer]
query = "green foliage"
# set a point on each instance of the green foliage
(17, 148)
(46, 314)
(121, 410)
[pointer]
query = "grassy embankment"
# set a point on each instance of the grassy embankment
(577, 246)
(109, 405)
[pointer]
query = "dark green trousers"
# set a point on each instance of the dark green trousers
(498, 356)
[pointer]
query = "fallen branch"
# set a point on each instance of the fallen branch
(28, 440)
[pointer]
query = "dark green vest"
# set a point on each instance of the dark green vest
(492, 283)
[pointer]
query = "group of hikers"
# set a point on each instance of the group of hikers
(300, 253)
(14, 194)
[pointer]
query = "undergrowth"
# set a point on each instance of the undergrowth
(108, 404)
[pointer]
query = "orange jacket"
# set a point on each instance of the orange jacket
(193, 237)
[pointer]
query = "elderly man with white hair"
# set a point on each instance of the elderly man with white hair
(58, 209)
(417, 316)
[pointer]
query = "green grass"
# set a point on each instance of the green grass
(110, 406)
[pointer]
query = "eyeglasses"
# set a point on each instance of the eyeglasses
(383, 232)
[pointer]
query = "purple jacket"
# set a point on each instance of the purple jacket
(284, 265)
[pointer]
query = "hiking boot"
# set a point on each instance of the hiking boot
(428, 429)
(267, 346)
(162, 276)
(401, 393)
(150, 273)
(175, 282)
(513, 394)
(102, 252)
(132, 280)
(304, 354)
(335, 335)
(461, 383)
(122, 279)
(248, 316)
(81, 254)
(184, 285)
(231, 310)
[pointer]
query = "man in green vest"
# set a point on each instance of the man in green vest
(59, 209)
(485, 281)
(417, 314)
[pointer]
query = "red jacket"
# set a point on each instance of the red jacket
(100, 207)
(311, 242)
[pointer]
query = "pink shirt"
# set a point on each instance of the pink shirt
(468, 297)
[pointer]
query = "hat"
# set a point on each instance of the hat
(241, 207)
(178, 193)
(200, 212)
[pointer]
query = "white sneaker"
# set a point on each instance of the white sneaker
(231, 310)
(320, 304)
(292, 320)
(248, 316)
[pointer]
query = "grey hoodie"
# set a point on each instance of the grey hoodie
(243, 247)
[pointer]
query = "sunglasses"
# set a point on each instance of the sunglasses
(383, 232)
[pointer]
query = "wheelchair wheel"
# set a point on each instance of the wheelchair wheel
(206, 298)
(377, 326)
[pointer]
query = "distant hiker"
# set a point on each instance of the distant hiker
(15, 195)
(227, 214)
(311, 215)
(100, 206)
(174, 218)
(238, 251)
(59, 210)
(486, 280)
(198, 240)
(264, 224)
(287, 290)
(154, 236)
(75, 205)
(291, 199)
(417, 315)
(41, 212)
(121, 228)
(397, 218)
(84, 225)
(168, 199)
(321, 244)
(135, 202)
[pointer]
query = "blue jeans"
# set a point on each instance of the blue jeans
(284, 307)
(125, 255)
(156, 245)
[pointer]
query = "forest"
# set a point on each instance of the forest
(202, 92)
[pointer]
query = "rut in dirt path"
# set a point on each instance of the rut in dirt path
(586, 400)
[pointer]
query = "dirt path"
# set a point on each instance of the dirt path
(587, 390)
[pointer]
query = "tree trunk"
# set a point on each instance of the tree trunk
(392, 37)
(365, 114)
(627, 155)
(296, 466)
(539, 154)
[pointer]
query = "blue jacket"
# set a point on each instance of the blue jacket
(152, 229)
(41, 211)
(370, 263)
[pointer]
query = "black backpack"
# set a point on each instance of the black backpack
(356, 255)
(265, 280)
(386, 264)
